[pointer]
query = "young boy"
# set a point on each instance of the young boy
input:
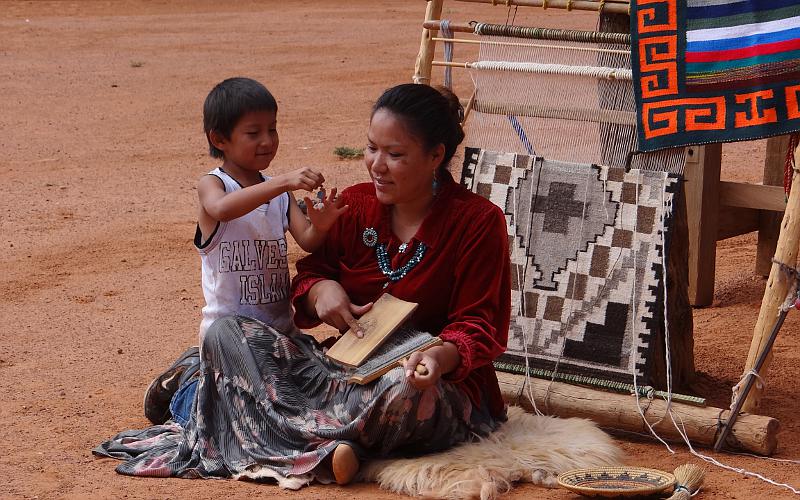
(241, 226)
(243, 216)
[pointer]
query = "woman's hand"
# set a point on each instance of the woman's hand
(332, 305)
(325, 210)
(425, 368)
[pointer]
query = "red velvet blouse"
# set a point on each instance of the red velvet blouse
(462, 284)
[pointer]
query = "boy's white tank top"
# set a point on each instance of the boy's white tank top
(245, 268)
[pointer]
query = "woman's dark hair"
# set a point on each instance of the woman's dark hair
(433, 115)
(228, 102)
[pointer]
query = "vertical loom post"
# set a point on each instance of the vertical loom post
(702, 175)
(769, 222)
(427, 46)
(777, 287)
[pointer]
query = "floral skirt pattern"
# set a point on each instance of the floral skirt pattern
(272, 405)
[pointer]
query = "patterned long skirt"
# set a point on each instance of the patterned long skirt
(270, 405)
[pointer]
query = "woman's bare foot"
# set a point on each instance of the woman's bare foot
(344, 464)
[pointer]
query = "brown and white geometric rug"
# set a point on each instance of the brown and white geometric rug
(587, 249)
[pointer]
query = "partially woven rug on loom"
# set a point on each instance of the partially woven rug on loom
(715, 70)
(526, 448)
(587, 250)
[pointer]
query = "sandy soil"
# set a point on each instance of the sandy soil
(101, 117)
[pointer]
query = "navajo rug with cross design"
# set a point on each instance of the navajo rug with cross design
(587, 250)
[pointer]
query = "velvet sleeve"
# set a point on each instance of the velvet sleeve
(320, 265)
(480, 303)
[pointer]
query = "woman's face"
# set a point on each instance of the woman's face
(398, 163)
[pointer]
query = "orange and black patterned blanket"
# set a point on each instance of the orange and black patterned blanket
(715, 70)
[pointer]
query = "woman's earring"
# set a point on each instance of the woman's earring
(435, 184)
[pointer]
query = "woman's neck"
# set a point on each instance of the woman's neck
(408, 217)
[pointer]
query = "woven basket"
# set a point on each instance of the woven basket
(616, 481)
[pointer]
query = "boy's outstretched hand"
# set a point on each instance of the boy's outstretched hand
(303, 178)
(324, 211)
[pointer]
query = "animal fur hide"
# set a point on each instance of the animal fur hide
(527, 448)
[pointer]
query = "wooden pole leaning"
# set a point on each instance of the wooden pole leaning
(778, 285)
(427, 46)
(753, 433)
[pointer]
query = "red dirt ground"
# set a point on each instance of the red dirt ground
(101, 116)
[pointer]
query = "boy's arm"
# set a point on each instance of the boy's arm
(222, 206)
(310, 232)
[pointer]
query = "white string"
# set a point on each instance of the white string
(521, 283)
(667, 345)
(785, 460)
(740, 385)
(682, 431)
(635, 348)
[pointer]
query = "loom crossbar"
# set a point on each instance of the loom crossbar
(609, 6)
(531, 45)
(533, 33)
(536, 111)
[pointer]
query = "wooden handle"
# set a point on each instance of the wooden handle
(420, 368)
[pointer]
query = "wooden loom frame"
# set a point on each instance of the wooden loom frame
(716, 210)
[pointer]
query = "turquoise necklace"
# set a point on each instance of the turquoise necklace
(370, 238)
(400, 272)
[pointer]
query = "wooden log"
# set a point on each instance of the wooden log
(778, 285)
(769, 224)
(435, 24)
(753, 433)
(703, 164)
(427, 47)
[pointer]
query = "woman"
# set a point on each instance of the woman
(272, 405)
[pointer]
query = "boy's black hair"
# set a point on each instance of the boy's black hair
(228, 102)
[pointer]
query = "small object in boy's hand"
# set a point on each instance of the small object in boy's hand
(319, 205)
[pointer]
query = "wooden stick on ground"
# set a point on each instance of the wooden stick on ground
(777, 288)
